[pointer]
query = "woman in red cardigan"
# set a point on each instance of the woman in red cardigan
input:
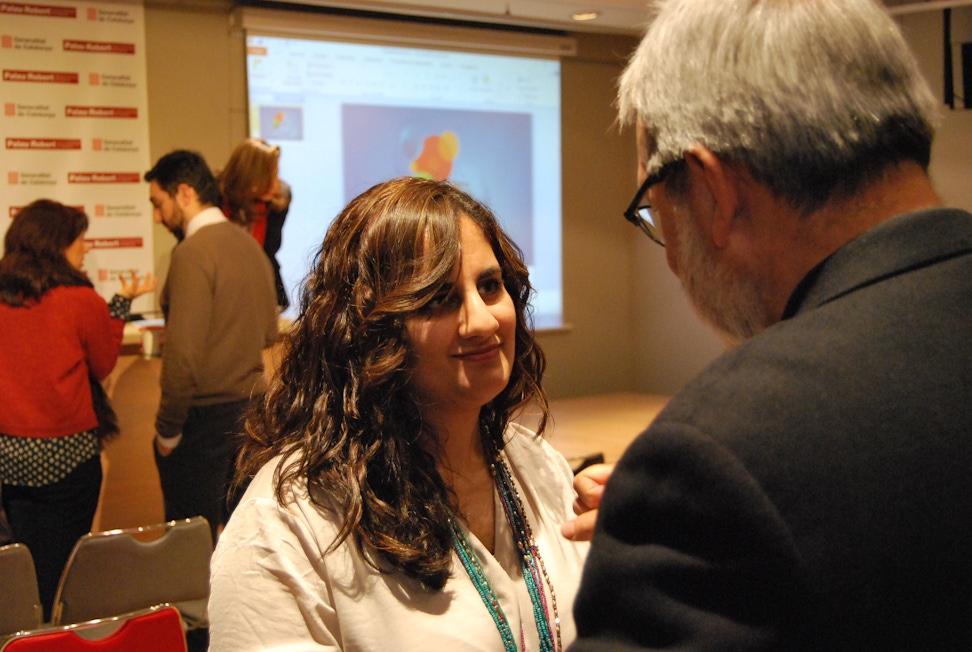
(58, 340)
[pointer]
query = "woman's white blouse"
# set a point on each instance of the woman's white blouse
(273, 588)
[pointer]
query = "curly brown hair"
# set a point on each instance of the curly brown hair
(341, 407)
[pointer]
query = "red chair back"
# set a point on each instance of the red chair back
(156, 630)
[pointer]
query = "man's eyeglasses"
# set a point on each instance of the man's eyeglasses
(639, 212)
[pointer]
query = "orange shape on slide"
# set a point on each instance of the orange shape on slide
(435, 160)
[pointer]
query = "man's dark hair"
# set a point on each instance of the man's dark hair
(190, 168)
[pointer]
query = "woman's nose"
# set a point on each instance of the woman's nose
(476, 319)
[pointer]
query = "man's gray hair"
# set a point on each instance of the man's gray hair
(815, 97)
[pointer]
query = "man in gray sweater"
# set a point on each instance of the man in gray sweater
(220, 313)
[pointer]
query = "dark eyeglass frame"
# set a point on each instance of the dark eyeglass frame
(639, 210)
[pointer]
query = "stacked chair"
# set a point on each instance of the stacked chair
(118, 586)
(121, 571)
(20, 607)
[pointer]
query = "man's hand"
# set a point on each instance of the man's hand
(165, 445)
(589, 485)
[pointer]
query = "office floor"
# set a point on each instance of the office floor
(130, 492)
(131, 495)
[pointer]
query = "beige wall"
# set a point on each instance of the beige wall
(593, 354)
(191, 73)
(951, 166)
(629, 326)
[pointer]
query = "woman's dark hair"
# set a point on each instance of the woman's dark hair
(33, 251)
(341, 405)
(34, 262)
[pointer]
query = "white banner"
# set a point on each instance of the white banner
(75, 125)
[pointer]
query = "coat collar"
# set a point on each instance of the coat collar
(905, 242)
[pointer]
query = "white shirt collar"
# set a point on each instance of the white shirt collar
(205, 217)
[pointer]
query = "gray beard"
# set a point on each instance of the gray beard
(730, 300)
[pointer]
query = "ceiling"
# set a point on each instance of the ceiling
(614, 16)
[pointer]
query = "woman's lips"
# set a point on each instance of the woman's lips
(482, 353)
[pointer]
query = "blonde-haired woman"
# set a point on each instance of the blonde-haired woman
(255, 197)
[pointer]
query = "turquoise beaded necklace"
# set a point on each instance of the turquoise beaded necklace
(534, 573)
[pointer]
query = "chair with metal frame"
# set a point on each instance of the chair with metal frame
(122, 571)
(156, 629)
(20, 606)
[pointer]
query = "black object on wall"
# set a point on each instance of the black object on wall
(967, 75)
(949, 89)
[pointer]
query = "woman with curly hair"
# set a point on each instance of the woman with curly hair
(58, 340)
(392, 502)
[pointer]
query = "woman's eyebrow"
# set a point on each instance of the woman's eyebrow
(490, 272)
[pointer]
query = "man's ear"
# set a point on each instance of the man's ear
(185, 195)
(721, 183)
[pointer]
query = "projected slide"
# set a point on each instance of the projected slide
(487, 153)
(347, 116)
(281, 123)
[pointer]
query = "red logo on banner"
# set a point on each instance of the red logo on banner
(98, 47)
(99, 210)
(94, 79)
(6, 41)
(100, 112)
(114, 243)
(43, 143)
(15, 210)
(104, 177)
(40, 11)
(13, 178)
(92, 13)
(97, 145)
(40, 76)
(10, 108)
